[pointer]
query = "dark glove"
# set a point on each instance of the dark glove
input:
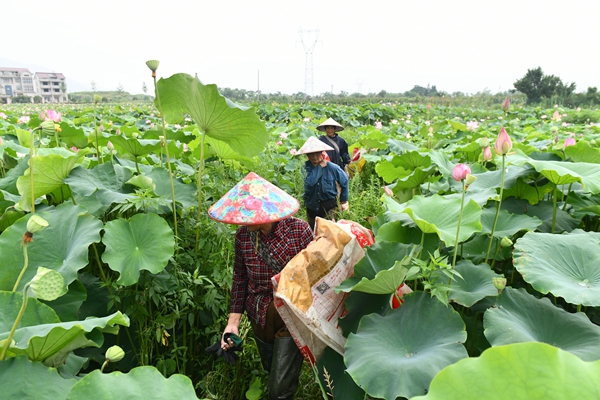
(229, 355)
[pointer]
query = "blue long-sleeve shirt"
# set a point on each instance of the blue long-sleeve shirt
(319, 184)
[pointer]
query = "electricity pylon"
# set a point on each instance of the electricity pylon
(309, 46)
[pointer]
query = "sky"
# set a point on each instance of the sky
(358, 46)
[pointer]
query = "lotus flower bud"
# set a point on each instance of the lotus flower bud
(503, 143)
(110, 146)
(487, 154)
(460, 172)
(499, 283)
(556, 116)
(506, 242)
(569, 142)
(554, 129)
(114, 354)
(483, 142)
(47, 284)
(152, 64)
(506, 105)
(48, 127)
(592, 142)
(36, 224)
(388, 191)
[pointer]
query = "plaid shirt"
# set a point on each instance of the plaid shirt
(252, 290)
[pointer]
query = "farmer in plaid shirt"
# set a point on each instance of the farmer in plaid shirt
(268, 237)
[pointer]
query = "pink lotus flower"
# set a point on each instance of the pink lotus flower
(460, 172)
(378, 125)
(487, 154)
(3, 116)
(503, 143)
(556, 116)
(472, 126)
(185, 148)
(283, 135)
(50, 115)
(569, 142)
(279, 143)
(24, 119)
(506, 105)
(388, 191)
(110, 146)
(75, 149)
(429, 106)
(293, 152)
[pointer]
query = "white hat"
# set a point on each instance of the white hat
(313, 145)
(330, 122)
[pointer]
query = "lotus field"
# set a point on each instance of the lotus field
(113, 279)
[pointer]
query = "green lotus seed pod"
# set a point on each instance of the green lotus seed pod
(114, 354)
(48, 127)
(153, 64)
(135, 135)
(483, 142)
(506, 242)
(469, 179)
(47, 284)
(36, 224)
(499, 283)
(97, 98)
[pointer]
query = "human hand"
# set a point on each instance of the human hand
(227, 344)
(345, 206)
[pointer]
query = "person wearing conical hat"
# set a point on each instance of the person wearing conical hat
(267, 238)
(321, 181)
(339, 152)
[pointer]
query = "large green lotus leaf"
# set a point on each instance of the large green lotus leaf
(524, 371)
(521, 317)
(562, 173)
(583, 152)
(63, 246)
(415, 178)
(395, 231)
(378, 271)
(390, 172)
(442, 161)
(96, 189)
(543, 211)
(48, 174)
(418, 340)
(481, 196)
(359, 304)
(564, 265)
(35, 313)
(507, 224)
(72, 136)
(146, 241)
(24, 379)
(9, 182)
(51, 342)
(584, 205)
(331, 364)
(437, 214)
(492, 179)
(215, 115)
(533, 194)
(475, 284)
(184, 193)
(476, 249)
(135, 147)
(141, 383)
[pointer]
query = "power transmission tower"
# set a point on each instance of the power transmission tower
(309, 46)
(359, 83)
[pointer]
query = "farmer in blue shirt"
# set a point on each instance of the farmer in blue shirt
(325, 183)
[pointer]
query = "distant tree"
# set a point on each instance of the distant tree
(37, 99)
(537, 86)
(93, 85)
(21, 99)
(120, 88)
(63, 87)
(144, 88)
(383, 93)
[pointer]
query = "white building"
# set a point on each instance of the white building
(52, 87)
(16, 82)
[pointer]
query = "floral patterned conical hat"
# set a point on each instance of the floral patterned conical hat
(253, 201)
(313, 145)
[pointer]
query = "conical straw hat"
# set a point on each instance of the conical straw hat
(253, 201)
(330, 122)
(314, 145)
